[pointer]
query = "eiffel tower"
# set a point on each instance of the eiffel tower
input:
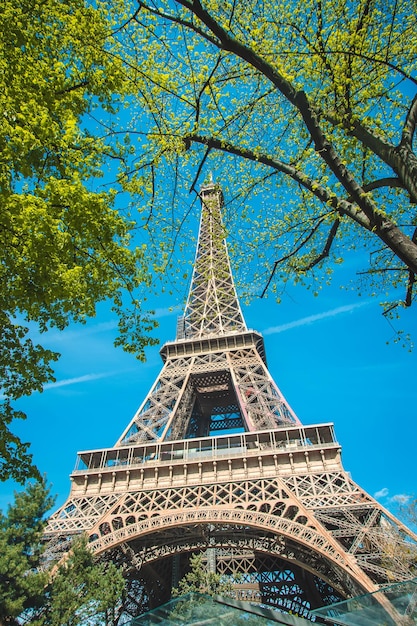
(215, 461)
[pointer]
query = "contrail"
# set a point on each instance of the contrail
(272, 330)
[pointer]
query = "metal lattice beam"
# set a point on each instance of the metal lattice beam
(272, 502)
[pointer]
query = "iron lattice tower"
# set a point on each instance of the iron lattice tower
(215, 460)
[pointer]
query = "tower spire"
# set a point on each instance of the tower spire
(212, 337)
(212, 307)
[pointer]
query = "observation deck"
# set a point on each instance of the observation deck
(285, 451)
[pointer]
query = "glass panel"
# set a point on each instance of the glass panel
(196, 610)
(387, 607)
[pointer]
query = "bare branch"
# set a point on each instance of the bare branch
(326, 250)
(389, 181)
(291, 254)
(409, 295)
(200, 167)
(380, 270)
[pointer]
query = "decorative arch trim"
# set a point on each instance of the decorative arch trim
(279, 526)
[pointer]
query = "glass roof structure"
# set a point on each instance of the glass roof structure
(392, 605)
(200, 610)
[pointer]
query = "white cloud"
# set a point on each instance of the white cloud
(382, 493)
(311, 319)
(400, 498)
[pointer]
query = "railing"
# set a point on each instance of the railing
(241, 444)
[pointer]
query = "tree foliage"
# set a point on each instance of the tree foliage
(399, 550)
(193, 592)
(82, 591)
(311, 103)
(21, 547)
(65, 246)
(201, 580)
(79, 591)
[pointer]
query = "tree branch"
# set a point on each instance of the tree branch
(83, 83)
(330, 156)
(365, 212)
(400, 158)
(298, 99)
(291, 254)
(326, 250)
(179, 20)
(409, 295)
(200, 167)
(376, 60)
(344, 207)
(389, 181)
(227, 42)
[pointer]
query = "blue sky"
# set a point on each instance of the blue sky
(328, 354)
